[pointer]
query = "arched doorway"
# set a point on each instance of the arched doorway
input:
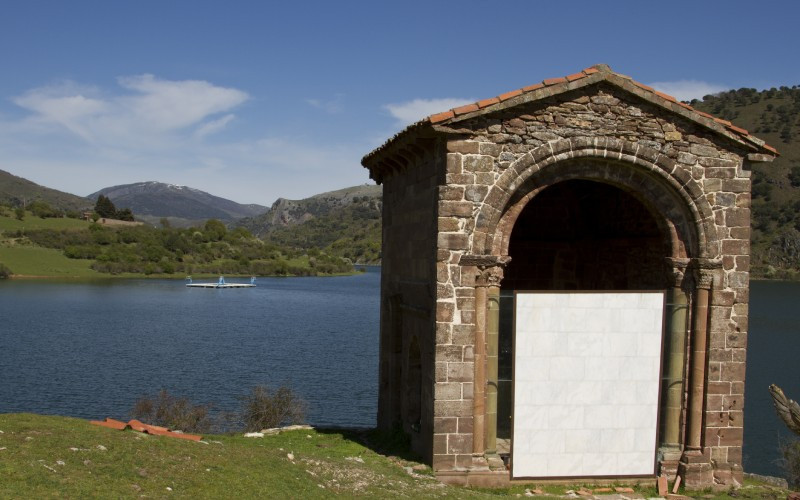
(596, 243)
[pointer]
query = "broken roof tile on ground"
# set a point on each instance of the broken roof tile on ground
(138, 426)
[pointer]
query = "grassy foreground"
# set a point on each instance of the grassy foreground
(48, 457)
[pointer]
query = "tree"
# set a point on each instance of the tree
(214, 230)
(19, 212)
(41, 209)
(794, 176)
(105, 207)
(125, 214)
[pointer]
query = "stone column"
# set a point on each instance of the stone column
(486, 284)
(492, 351)
(479, 367)
(695, 466)
(677, 314)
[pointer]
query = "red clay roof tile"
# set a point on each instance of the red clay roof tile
(739, 130)
(509, 95)
(665, 96)
(467, 108)
(535, 86)
(138, 426)
(488, 102)
(440, 117)
(110, 423)
(643, 86)
(553, 81)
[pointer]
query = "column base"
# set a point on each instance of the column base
(696, 470)
(668, 462)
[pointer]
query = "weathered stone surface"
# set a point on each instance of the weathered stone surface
(464, 147)
(466, 200)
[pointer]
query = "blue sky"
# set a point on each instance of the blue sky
(256, 100)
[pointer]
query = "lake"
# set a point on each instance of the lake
(90, 350)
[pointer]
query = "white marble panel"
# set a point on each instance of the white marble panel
(586, 383)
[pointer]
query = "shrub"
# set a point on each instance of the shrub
(265, 409)
(791, 462)
(169, 411)
(5, 272)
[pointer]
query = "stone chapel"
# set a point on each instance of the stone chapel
(564, 287)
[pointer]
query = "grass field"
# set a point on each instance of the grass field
(49, 457)
(28, 260)
(10, 223)
(45, 262)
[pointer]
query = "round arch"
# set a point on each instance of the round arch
(641, 171)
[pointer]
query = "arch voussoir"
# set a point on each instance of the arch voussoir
(639, 168)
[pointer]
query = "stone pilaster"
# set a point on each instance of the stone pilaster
(674, 368)
(487, 282)
(695, 466)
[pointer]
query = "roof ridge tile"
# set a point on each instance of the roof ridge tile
(599, 68)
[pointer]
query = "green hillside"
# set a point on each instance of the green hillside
(352, 232)
(62, 247)
(344, 223)
(772, 115)
(16, 191)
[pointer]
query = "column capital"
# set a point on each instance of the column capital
(489, 277)
(676, 271)
(704, 270)
(490, 268)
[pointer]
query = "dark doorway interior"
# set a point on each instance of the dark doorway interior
(576, 235)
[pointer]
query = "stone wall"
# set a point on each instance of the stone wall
(408, 295)
(697, 179)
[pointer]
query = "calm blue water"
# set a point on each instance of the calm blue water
(773, 357)
(89, 350)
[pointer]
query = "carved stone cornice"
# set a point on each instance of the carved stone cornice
(484, 261)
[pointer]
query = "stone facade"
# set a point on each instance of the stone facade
(457, 184)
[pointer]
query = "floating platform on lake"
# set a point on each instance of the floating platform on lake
(221, 284)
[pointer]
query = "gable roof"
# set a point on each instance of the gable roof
(555, 86)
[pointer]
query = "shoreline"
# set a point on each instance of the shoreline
(23, 277)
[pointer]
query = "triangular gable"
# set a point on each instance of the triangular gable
(555, 86)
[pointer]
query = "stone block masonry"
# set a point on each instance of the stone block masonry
(458, 192)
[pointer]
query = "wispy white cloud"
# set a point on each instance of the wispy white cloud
(213, 126)
(81, 138)
(148, 109)
(411, 111)
(333, 106)
(686, 90)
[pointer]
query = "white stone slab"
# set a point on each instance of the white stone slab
(586, 382)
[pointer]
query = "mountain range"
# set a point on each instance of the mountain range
(182, 206)
(347, 222)
(16, 191)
